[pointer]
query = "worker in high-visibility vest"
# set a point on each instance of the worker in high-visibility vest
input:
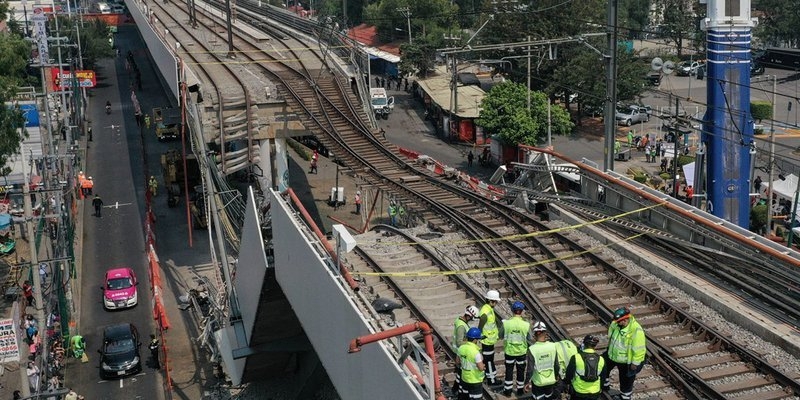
(86, 186)
(491, 332)
(627, 350)
(543, 365)
(393, 213)
(470, 361)
(153, 185)
(516, 339)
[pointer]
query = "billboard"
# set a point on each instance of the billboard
(39, 20)
(9, 348)
(62, 79)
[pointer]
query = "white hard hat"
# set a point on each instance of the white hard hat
(358, 192)
(90, 178)
(471, 311)
(493, 295)
(539, 327)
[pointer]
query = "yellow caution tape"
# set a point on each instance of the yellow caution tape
(518, 236)
(411, 274)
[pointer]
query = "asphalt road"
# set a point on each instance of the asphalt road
(114, 160)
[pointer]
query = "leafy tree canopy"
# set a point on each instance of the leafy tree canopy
(504, 112)
(778, 26)
(14, 60)
(12, 124)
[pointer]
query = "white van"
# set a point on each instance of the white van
(102, 8)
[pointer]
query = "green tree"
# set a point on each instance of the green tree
(417, 58)
(94, 40)
(680, 23)
(12, 124)
(14, 61)
(778, 24)
(504, 112)
(761, 110)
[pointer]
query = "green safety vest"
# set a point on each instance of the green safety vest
(578, 384)
(459, 338)
(544, 363)
(565, 349)
(490, 328)
(627, 345)
(515, 335)
(469, 369)
(392, 210)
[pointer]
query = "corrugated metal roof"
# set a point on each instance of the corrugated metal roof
(469, 97)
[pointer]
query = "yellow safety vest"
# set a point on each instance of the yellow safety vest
(459, 337)
(544, 363)
(578, 384)
(469, 368)
(627, 345)
(565, 349)
(490, 327)
(515, 336)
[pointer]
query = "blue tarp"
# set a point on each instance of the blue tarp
(5, 221)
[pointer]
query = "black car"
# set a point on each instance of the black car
(119, 355)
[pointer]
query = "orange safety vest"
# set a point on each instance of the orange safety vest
(86, 184)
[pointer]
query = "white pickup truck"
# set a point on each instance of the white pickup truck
(382, 104)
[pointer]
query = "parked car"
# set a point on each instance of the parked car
(119, 354)
(688, 68)
(632, 115)
(119, 289)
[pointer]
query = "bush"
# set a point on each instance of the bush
(641, 178)
(761, 110)
(299, 149)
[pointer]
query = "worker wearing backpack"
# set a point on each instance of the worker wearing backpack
(583, 371)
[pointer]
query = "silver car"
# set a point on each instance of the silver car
(632, 115)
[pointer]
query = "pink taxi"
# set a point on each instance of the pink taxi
(119, 289)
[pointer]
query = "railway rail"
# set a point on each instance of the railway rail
(563, 283)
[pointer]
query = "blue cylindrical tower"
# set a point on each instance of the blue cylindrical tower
(727, 125)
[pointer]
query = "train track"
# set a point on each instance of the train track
(562, 282)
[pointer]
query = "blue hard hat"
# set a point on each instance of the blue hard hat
(474, 333)
(517, 306)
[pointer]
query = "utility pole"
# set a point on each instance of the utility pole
(406, 11)
(770, 172)
(611, 87)
(675, 150)
(228, 12)
(37, 282)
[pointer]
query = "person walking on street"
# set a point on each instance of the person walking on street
(470, 157)
(470, 362)
(626, 352)
(314, 160)
(544, 366)
(460, 328)
(89, 132)
(358, 202)
(491, 333)
(757, 184)
(33, 376)
(583, 371)
(27, 291)
(97, 203)
(153, 185)
(89, 186)
(154, 346)
(516, 339)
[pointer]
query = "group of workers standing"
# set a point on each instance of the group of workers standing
(534, 363)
